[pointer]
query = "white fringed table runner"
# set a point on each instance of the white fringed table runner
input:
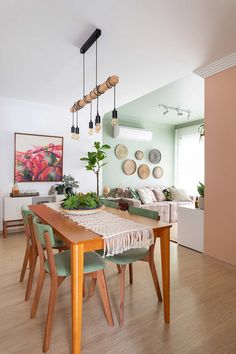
(119, 234)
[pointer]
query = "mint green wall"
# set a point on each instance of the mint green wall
(163, 140)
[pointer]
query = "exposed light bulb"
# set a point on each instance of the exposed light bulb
(114, 122)
(73, 132)
(90, 131)
(98, 127)
(77, 136)
(98, 123)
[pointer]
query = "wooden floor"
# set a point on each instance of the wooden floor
(203, 309)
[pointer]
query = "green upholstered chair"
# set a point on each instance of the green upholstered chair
(31, 253)
(110, 203)
(129, 257)
(58, 267)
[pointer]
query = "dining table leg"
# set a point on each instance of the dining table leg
(77, 270)
(165, 265)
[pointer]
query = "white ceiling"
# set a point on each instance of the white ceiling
(147, 43)
(186, 93)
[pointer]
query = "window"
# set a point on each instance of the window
(189, 159)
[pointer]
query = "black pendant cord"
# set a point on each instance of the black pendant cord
(83, 75)
(114, 97)
(77, 119)
(97, 72)
(73, 119)
(91, 111)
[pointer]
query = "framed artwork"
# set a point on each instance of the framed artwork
(38, 158)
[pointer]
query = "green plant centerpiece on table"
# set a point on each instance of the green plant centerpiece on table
(95, 160)
(81, 202)
(201, 192)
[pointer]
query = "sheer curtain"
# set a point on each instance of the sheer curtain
(189, 159)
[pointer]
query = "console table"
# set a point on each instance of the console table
(12, 208)
(191, 228)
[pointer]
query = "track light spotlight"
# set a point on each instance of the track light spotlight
(166, 111)
(180, 113)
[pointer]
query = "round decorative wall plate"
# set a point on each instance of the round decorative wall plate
(129, 167)
(143, 171)
(154, 156)
(157, 172)
(121, 152)
(139, 155)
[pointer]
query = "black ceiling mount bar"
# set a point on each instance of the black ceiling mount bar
(96, 34)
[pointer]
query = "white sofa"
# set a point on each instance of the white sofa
(168, 210)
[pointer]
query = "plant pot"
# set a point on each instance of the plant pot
(201, 202)
(82, 211)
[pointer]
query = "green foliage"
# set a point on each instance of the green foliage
(201, 189)
(94, 158)
(81, 201)
(68, 185)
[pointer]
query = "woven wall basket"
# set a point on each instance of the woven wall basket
(129, 167)
(143, 171)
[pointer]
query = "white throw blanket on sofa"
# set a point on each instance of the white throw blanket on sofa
(119, 234)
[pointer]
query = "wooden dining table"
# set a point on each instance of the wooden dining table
(81, 240)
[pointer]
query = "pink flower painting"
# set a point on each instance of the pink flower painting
(38, 158)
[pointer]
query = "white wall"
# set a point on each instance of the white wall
(28, 117)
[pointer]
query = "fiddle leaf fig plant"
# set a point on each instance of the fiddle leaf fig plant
(95, 160)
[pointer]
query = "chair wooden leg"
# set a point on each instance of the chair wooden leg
(60, 280)
(37, 293)
(122, 294)
(104, 295)
(84, 287)
(31, 277)
(118, 268)
(51, 308)
(131, 273)
(155, 278)
(92, 286)
(25, 262)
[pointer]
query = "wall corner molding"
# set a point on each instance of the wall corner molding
(217, 66)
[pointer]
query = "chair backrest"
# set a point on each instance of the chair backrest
(25, 212)
(40, 230)
(151, 214)
(110, 203)
(45, 239)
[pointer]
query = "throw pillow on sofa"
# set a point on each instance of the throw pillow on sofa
(167, 193)
(146, 195)
(180, 195)
(160, 196)
(134, 194)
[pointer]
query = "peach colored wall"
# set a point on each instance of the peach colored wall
(220, 173)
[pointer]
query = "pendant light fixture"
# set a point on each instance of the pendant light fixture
(112, 81)
(97, 118)
(73, 126)
(114, 120)
(77, 126)
(90, 131)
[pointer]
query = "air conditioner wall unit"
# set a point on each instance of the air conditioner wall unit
(128, 133)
